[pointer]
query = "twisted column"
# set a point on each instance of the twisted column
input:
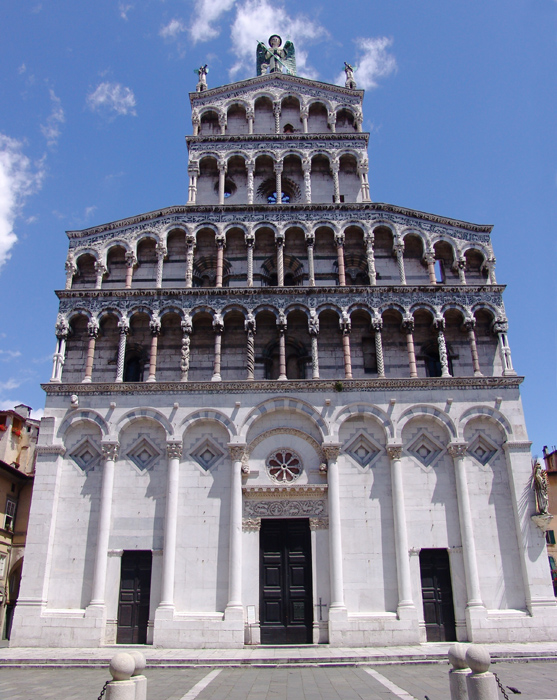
(335, 167)
(220, 241)
(279, 240)
(218, 327)
(71, 269)
(155, 327)
(93, 332)
(335, 526)
(161, 254)
(377, 324)
(369, 241)
(282, 326)
(250, 167)
(310, 242)
(190, 247)
(439, 324)
(222, 175)
(339, 242)
(250, 328)
(124, 326)
(345, 327)
(186, 326)
(469, 325)
(100, 270)
(458, 453)
(408, 329)
(313, 328)
(278, 180)
(109, 456)
(174, 455)
(131, 262)
(250, 244)
(399, 250)
(430, 261)
(234, 606)
(276, 114)
(306, 168)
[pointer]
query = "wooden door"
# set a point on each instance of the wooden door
(133, 604)
(437, 595)
(286, 603)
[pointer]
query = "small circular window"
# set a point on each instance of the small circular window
(284, 466)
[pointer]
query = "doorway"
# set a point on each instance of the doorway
(133, 602)
(286, 604)
(437, 595)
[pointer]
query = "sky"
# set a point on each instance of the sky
(460, 103)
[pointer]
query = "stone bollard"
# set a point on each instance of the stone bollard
(121, 687)
(458, 672)
(138, 678)
(481, 684)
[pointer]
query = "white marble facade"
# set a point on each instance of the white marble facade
(360, 347)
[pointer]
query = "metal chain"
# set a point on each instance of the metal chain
(103, 691)
(501, 687)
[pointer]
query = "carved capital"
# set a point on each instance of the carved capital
(124, 325)
(110, 451)
(218, 323)
(251, 524)
(310, 238)
(237, 452)
(249, 323)
(174, 450)
(331, 450)
(222, 166)
(93, 327)
(319, 523)
(155, 324)
(278, 167)
(394, 452)
(457, 449)
(339, 239)
(62, 327)
(408, 323)
(186, 324)
(220, 240)
(131, 260)
(377, 324)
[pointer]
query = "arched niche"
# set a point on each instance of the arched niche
(264, 120)
(290, 121)
(325, 256)
(202, 348)
(116, 267)
(106, 349)
(349, 180)
(86, 275)
(76, 350)
(208, 181)
(385, 262)
(414, 267)
(345, 122)
(209, 125)
(329, 341)
(237, 122)
(362, 345)
(174, 270)
(146, 272)
(322, 186)
(138, 349)
(235, 183)
(317, 119)
(169, 347)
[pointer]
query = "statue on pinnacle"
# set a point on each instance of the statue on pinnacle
(274, 58)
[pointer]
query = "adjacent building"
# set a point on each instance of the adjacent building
(282, 412)
(550, 459)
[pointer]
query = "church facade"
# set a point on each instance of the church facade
(282, 413)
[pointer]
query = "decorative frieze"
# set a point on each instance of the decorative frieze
(285, 508)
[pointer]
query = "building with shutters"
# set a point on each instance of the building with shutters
(282, 412)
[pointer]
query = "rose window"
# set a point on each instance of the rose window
(284, 466)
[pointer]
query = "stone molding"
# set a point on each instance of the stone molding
(251, 524)
(318, 524)
(285, 492)
(284, 387)
(287, 431)
(50, 450)
(280, 508)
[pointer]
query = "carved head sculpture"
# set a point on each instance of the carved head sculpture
(275, 41)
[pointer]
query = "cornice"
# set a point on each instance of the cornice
(296, 490)
(261, 80)
(282, 213)
(286, 138)
(284, 387)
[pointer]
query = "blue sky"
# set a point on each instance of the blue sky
(460, 101)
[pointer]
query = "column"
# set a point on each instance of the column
(404, 580)
(279, 240)
(335, 167)
(369, 240)
(124, 326)
(335, 535)
(282, 326)
(218, 327)
(346, 327)
(100, 269)
(399, 250)
(408, 329)
(332, 121)
(439, 324)
(461, 269)
(222, 124)
(339, 242)
(250, 328)
(109, 456)
(310, 242)
(500, 327)
(250, 244)
(173, 454)
(276, 113)
(278, 178)
(71, 269)
(155, 327)
(190, 247)
(93, 332)
(458, 453)
(193, 173)
(250, 116)
(234, 606)
(250, 167)
(196, 121)
(220, 241)
(186, 325)
(62, 330)
(364, 182)
(377, 324)
(429, 258)
(222, 176)
(489, 265)
(313, 328)
(304, 114)
(358, 121)
(161, 254)
(306, 168)
(131, 262)
(469, 325)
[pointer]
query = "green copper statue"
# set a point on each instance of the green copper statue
(273, 59)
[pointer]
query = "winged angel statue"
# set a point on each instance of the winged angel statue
(273, 58)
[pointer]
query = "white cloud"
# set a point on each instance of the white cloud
(51, 130)
(172, 29)
(206, 12)
(373, 61)
(110, 98)
(89, 211)
(9, 385)
(256, 20)
(18, 179)
(124, 9)
(7, 355)
(22, 68)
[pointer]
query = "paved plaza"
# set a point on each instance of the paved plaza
(535, 680)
